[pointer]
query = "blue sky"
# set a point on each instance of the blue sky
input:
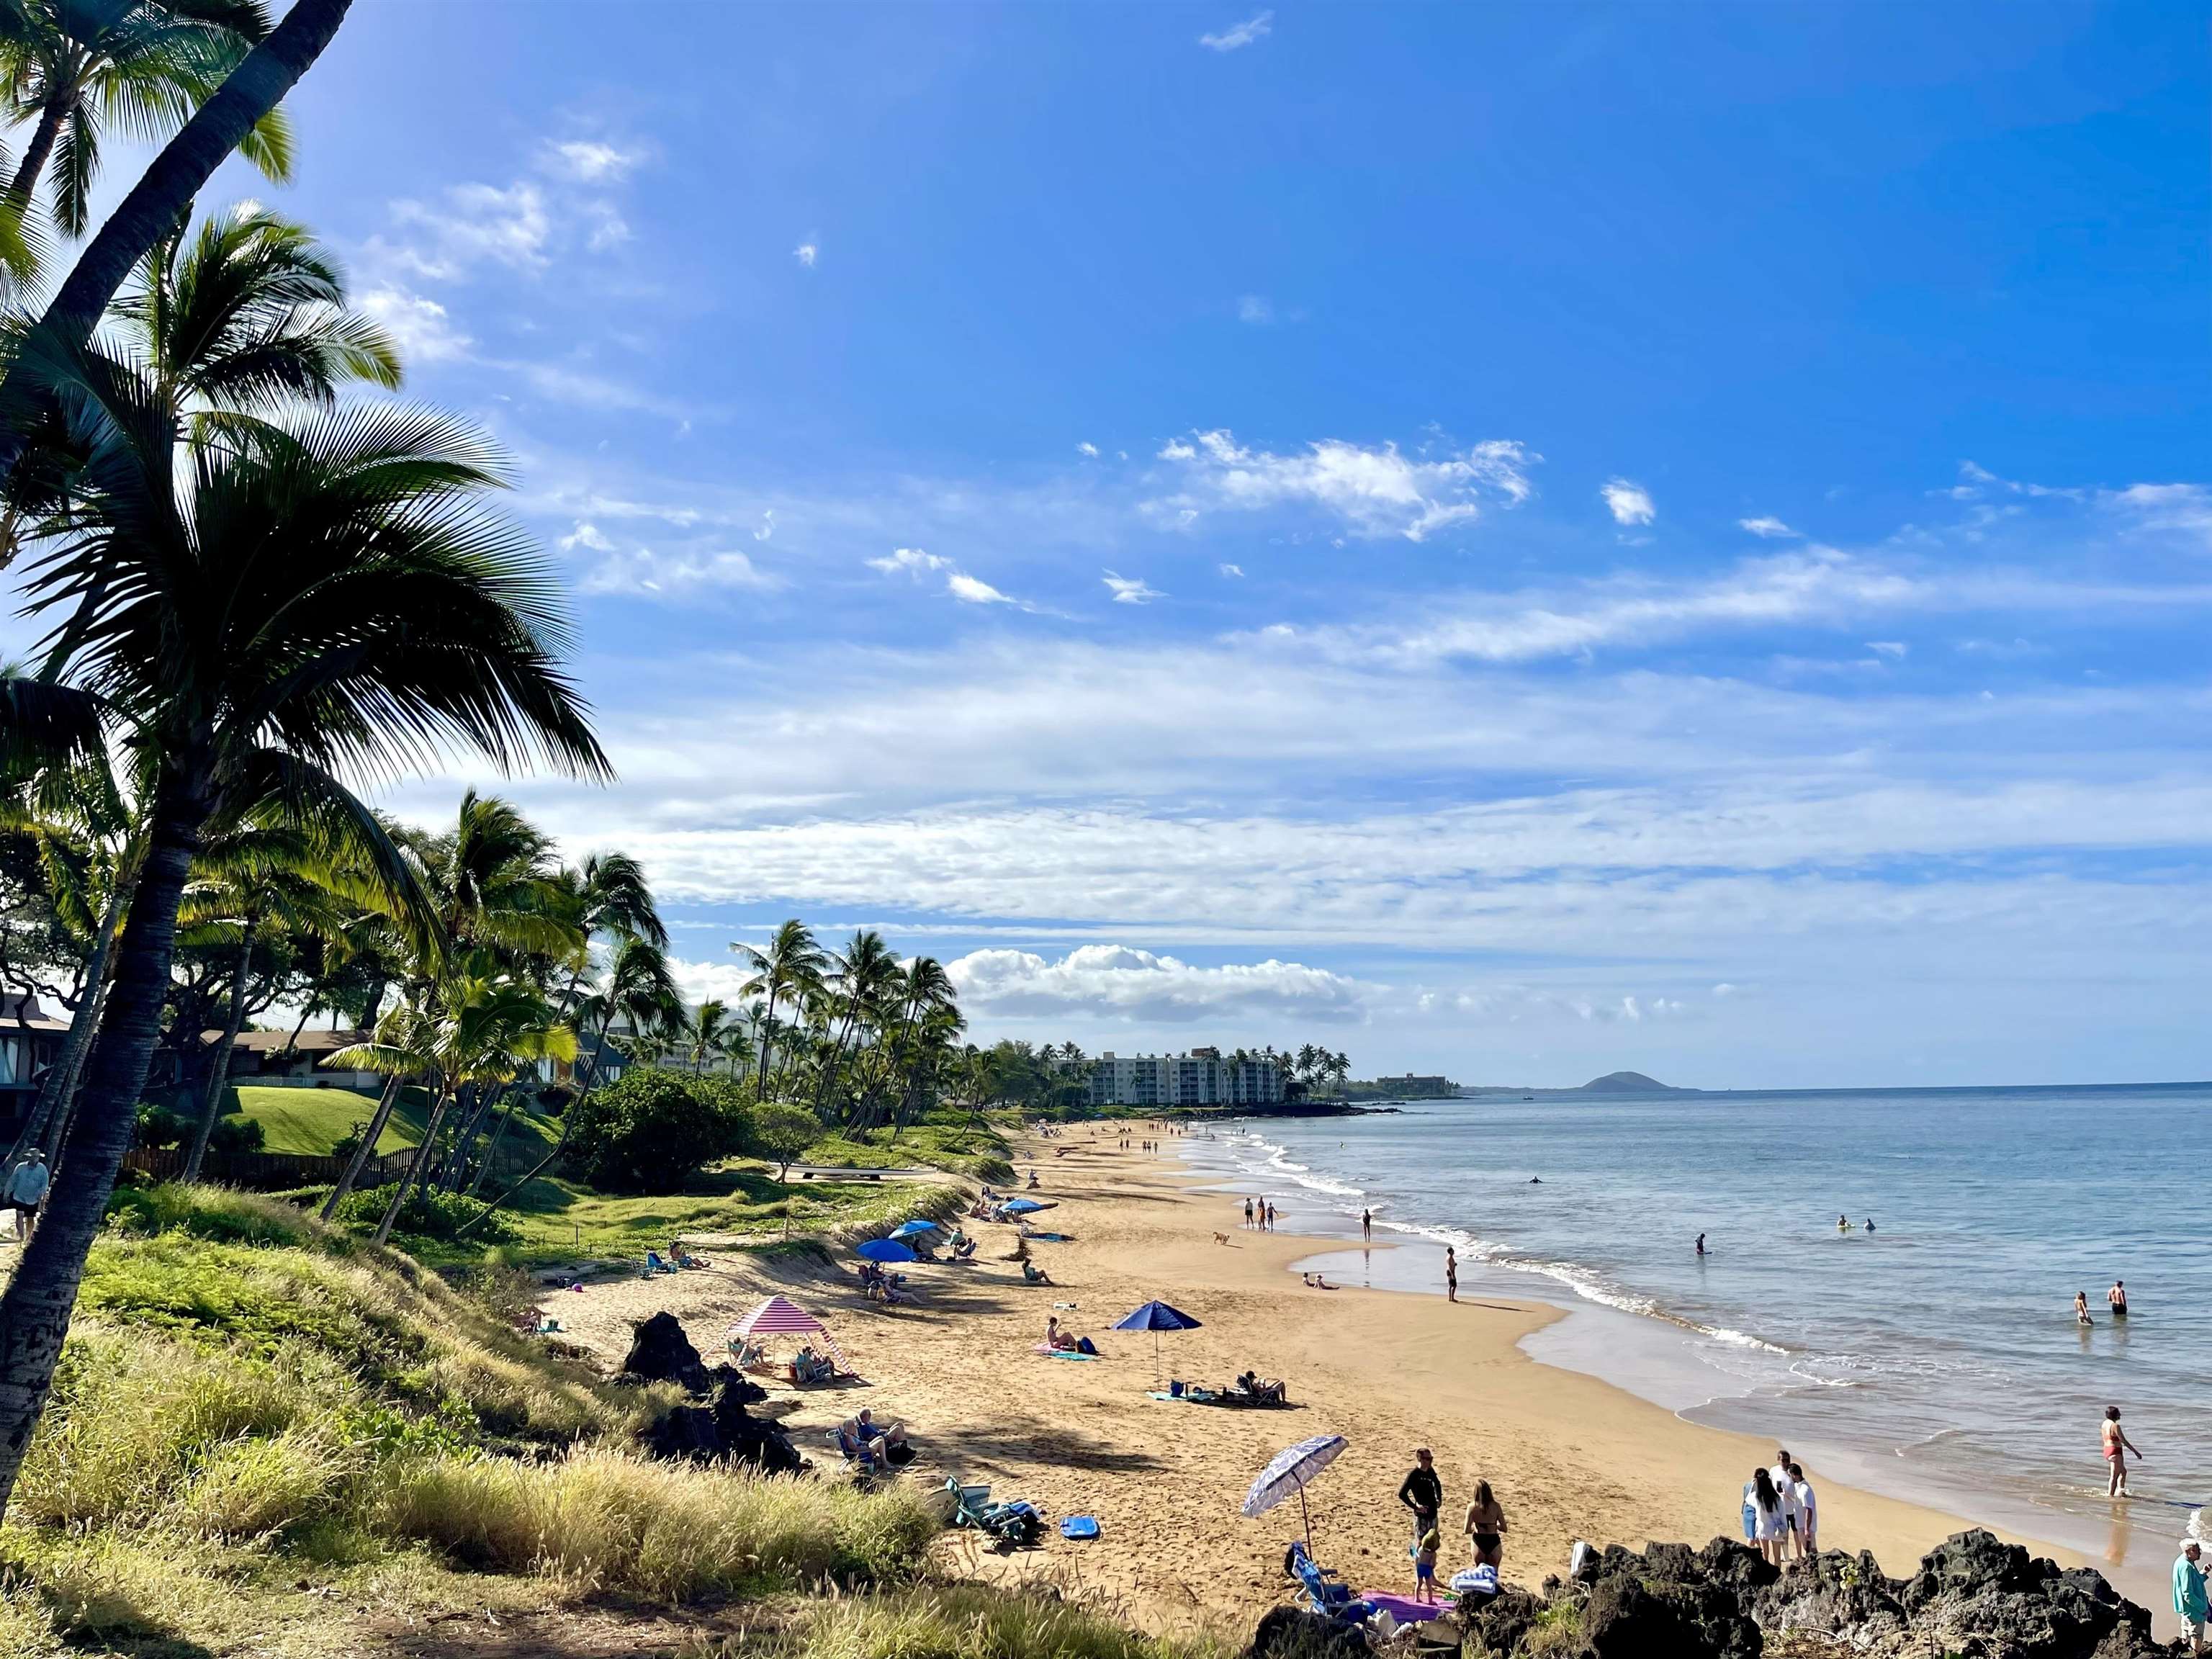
(1511, 539)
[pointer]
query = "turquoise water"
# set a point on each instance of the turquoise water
(1937, 1357)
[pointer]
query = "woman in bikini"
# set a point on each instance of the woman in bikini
(1486, 1527)
(2117, 1447)
(2081, 1309)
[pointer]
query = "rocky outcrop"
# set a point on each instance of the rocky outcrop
(1973, 1597)
(721, 1429)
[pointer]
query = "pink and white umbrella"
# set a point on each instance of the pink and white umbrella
(781, 1316)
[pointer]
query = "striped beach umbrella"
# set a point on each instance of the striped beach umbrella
(781, 1316)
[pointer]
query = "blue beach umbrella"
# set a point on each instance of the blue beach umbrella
(1156, 1316)
(914, 1229)
(884, 1249)
(1023, 1206)
(1288, 1471)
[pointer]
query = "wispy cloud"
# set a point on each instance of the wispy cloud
(1629, 503)
(419, 327)
(1771, 528)
(590, 161)
(1232, 569)
(806, 253)
(917, 563)
(470, 226)
(1131, 590)
(1088, 451)
(642, 571)
(1257, 27)
(1255, 309)
(1375, 490)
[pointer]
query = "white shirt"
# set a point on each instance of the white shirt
(27, 1185)
(1802, 1491)
(1784, 1488)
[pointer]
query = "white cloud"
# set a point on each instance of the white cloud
(970, 590)
(1724, 990)
(1629, 503)
(1375, 490)
(1772, 528)
(1131, 590)
(419, 327)
(473, 224)
(911, 560)
(766, 528)
(2186, 507)
(1232, 569)
(1257, 27)
(1892, 648)
(644, 571)
(806, 253)
(1121, 982)
(1256, 309)
(1088, 449)
(589, 161)
(587, 535)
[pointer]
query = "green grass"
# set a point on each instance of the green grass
(308, 1122)
(970, 1621)
(946, 1141)
(257, 1421)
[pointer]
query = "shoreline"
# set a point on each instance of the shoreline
(1572, 1456)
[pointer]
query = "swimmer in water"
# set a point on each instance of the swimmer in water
(2081, 1309)
(1869, 1224)
(1842, 1224)
(2118, 1296)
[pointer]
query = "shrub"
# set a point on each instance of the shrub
(653, 1129)
(160, 1128)
(236, 1135)
(781, 1132)
(431, 1214)
(350, 1143)
(217, 1213)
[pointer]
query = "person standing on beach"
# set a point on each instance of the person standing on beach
(2189, 1591)
(1486, 1527)
(1808, 1512)
(1785, 1491)
(1422, 1493)
(1367, 1225)
(1271, 1215)
(26, 1189)
(1248, 1211)
(1451, 1275)
(1762, 1515)
(2118, 1296)
(2116, 1447)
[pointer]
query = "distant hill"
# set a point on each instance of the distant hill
(1629, 1082)
(1613, 1083)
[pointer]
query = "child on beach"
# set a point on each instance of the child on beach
(1425, 1563)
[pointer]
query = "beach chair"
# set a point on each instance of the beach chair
(808, 1366)
(853, 1452)
(1018, 1525)
(654, 1265)
(1323, 1591)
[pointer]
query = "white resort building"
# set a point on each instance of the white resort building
(1200, 1078)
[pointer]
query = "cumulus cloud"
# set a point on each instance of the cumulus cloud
(1376, 491)
(587, 535)
(806, 253)
(1257, 27)
(1131, 590)
(969, 590)
(646, 571)
(419, 327)
(1117, 981)
(1629, 503)
(1772, 528)
(1088, 451)
(913, 560)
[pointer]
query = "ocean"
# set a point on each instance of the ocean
(1936, 1357)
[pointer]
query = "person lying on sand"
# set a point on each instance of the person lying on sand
(1262, 1388)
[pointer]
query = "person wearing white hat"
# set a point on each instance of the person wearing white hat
(2189, 1592)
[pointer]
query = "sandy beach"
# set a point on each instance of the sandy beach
(1568, 1456)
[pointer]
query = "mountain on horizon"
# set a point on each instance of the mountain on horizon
(1629, 1082)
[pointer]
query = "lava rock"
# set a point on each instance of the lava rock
(1627, 1618)
(660, 1353)
(1295, 1633)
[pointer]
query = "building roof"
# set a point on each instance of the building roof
(19, 1009)
(310, 1042)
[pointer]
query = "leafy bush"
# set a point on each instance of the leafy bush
(160, 1128)
(653, 1129)
(439, 1215)
(350, 1143)
(235, 1135)
(781, 1132)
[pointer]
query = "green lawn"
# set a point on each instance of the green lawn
(946, 1141)
(310, 1122)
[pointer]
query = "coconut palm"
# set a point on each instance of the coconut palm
(791, 967)
(333, 597)
(709, 1032)
(70, 67)
(864, 970)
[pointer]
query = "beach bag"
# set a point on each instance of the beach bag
(1481, 1581)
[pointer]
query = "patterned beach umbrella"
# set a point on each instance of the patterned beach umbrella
(781, 1316)
(1288, 1471)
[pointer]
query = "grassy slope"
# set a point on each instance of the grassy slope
(310, 1122)
(946, 1140)
(264, 1434)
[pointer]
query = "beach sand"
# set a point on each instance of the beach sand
(1568, 1456)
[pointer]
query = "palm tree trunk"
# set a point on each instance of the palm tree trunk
(36, 1309)
(420, 1164)
(498, 1134)
(560, 1141)
(219, 1062)
(366, 1150)
(768, 1045)
(472, 1101)
(61, 1077)
(25, 184)
(163, 196)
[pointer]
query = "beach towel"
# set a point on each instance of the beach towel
(1480, 1583)
(1047, 1350)
(1080, 1525)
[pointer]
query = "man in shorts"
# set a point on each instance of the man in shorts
(24, 1190)
(2189, 1592)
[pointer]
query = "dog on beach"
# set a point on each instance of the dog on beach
(1221, 1238)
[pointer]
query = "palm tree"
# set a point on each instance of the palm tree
(790, 967)
(254, 878)
(400, 621)
(161, 198)
(72, 65)
(867, 967)
(709, 1032)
